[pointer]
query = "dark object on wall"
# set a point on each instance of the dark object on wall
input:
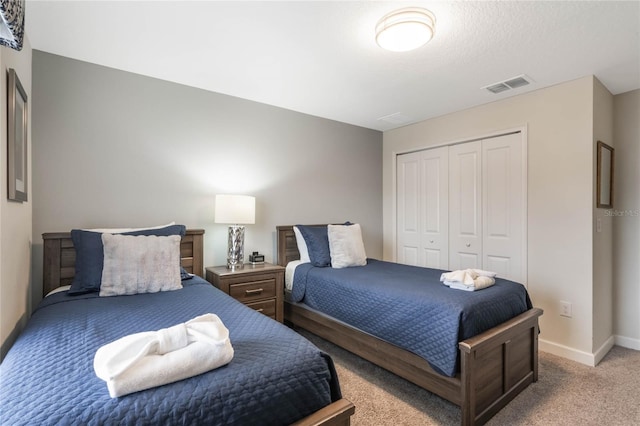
(12, 23)
(604, 183)
(17, 115)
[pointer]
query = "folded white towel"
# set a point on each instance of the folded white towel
(145, 360)
(478, 284)
(468, 279)
(483, 273)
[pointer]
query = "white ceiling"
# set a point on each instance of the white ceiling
(321, 58)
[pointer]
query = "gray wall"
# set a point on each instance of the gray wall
(116, 149)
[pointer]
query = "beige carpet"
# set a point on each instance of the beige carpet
(567, 393)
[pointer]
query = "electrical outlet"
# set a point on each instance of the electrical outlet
(565, 309)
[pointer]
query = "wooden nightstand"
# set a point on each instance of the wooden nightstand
(260, 287)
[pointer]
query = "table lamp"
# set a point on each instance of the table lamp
(235, 210)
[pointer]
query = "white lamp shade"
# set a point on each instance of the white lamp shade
(405, 29)
(235, 209)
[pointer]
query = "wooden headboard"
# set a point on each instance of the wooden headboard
(287, 246)
(60, 257)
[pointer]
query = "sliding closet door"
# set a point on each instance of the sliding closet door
(408, 208)
(422, 208)
(465, 205)
(435, 208)
(502, 206)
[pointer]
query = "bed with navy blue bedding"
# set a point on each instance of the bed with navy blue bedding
(477, 349)
(408, 306)
(274, 378)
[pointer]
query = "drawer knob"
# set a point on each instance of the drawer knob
(260, 310)
(254, 291)
(468, 244)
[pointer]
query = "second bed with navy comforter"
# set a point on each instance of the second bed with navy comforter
(408, 306)
(47, 378)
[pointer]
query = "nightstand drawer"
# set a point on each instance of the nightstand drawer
(254, 290)
(260, 287)
(267, 307)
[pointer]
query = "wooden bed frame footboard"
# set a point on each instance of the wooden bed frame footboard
(335, 414)
(495, 365)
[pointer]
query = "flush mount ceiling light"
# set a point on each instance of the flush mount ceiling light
(405, 29)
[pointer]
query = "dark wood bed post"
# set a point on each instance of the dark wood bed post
(495, 365)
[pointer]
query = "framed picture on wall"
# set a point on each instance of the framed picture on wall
(604, 176)
(17, 115)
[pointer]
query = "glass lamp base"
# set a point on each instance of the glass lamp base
(235, 252)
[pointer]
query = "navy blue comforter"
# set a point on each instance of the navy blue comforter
(275, 377)
(408, 306)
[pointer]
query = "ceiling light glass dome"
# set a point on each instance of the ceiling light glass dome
(405, 29)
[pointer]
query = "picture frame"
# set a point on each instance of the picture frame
(17, 126)
(604, 175)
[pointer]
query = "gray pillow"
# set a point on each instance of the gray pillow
(140, 264)
(90, 255)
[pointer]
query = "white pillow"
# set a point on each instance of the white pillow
(302, 246)
(346, 246)
(140, 264)
(123, 230)
(58, 290)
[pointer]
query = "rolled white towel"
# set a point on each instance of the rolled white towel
(478, 284)
(145, 360)
(460, 276)
(483, 273)
(468, 279)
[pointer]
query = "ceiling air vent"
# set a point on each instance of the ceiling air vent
(512, 83)
(497, 88)
(519, 81)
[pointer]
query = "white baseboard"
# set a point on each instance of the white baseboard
(627, 342)
(566, 352)
(603, 350)
(590, 359)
